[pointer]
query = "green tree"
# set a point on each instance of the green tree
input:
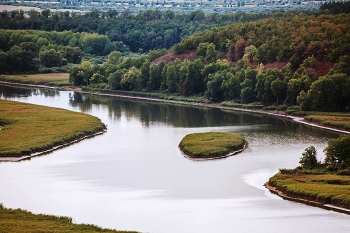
(279, 89)
(211, 53)
(247, 95)
(250, 53)
(194, 77)
(129, 79)
(171, 79)
(50, 58)
(214, 90)
(155, 78)
(114, 58)
(73, 55)
(144, 77)
(303, 100)
(309, 158)
(338, 151)
(293, 90)
(3, 62)
(231, 87)
(328, 93)
(114, 79)
(14, 58)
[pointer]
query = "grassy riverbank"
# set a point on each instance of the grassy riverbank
(211, 144)
(21, 221)
(50, 79)
(28, 128)
(324, 188)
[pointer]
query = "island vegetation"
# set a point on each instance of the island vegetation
(211, 144)
(317, 182)
(20, 221)
(28, 128)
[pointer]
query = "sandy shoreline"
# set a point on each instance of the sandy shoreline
(306, 201)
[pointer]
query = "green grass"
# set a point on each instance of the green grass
(51, 79)
(21, 221)
(31, 128)
(211, 144)
(325, 188)
(339, 120)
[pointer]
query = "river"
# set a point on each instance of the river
(134, 177)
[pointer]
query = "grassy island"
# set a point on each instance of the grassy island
(324, 184)
(28, 128)
(211, 144)
(20, 221)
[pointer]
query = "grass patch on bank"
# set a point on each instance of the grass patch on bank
(211, 144)
(50, 79)
(28, 128)
(325, 188)
(339, 120)
(21, 221)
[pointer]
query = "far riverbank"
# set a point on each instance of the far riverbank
(298, 119)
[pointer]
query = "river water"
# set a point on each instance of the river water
(135, 178)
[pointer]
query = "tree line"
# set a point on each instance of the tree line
(232, 65)
(27, 50)
(140, 32)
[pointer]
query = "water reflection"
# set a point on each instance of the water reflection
(175, 115)
(134, 177)
(9, 91)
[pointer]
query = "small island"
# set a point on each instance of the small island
(211, 145)
(322, 184)
(28, 130)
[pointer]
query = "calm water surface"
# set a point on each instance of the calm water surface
(134, 177)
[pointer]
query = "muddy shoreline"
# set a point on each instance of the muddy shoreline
(49, 150)
(285, 196)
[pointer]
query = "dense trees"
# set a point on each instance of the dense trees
(26, 50)
(243, 77)
(295, 60)
(338, 151)
(309, 158)
(140, 32)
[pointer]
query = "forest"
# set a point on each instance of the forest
(279, 60)
(301, 62)
(141, 32)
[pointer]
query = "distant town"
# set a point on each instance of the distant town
(223, 6)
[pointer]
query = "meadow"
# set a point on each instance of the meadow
(21, 221)
(335, 120)
(211, 144)
(324, 188)
(28, 128)
(50, 79)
